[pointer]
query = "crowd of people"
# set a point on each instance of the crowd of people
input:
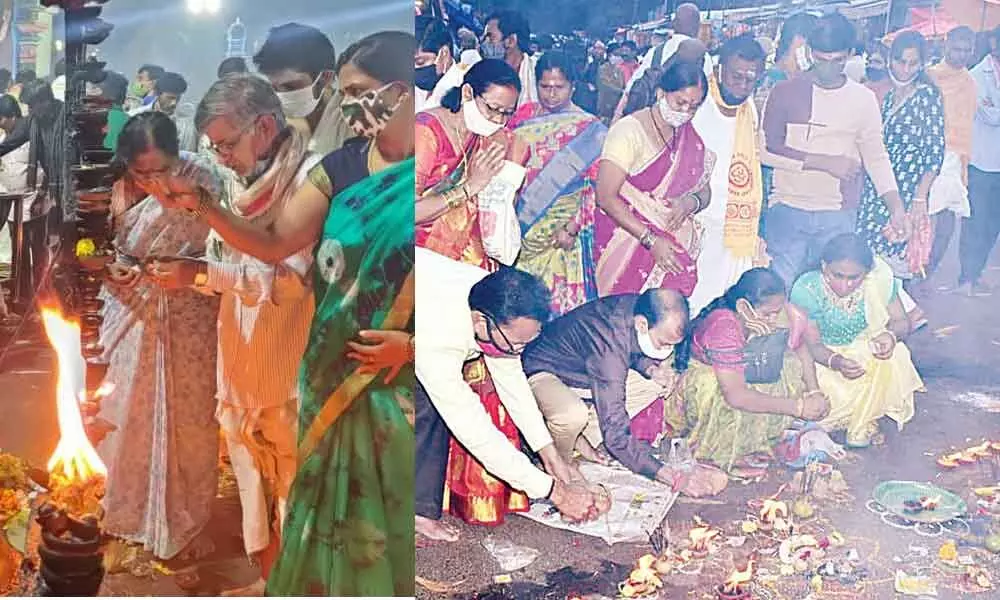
(723, 248)
(260, 300)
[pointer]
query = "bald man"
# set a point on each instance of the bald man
(613, 354)
(687, 25)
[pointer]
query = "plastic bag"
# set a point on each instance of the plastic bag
(510, 556)
(498, 222)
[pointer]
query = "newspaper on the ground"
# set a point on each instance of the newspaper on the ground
(638, 506)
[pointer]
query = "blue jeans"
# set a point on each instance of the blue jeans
(795, 238)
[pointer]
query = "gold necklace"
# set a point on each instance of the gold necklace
(848, 304)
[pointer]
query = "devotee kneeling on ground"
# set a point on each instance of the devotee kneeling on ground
(864, 368)
(747, 374)
(612, 354)
(467, 312)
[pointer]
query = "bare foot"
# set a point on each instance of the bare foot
(254, 590)
(436, 530)
(589, 453)
(200, 547)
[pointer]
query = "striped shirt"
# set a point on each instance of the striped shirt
(264, 320)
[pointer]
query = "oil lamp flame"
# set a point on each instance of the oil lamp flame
(772, 510)
(701, 536)
(74, 458)
(738, 579)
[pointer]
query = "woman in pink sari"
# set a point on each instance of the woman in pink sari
(653, 178)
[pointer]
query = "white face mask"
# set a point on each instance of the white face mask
(476, 121)
(802, 58)
(301, 103)
(649, 348)
(674, 118)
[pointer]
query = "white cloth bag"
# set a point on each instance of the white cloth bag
(948, 192)
(497, 218)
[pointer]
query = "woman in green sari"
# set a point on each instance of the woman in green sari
(350, 526)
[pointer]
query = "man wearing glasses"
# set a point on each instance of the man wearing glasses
(466, 313)
(727, 123)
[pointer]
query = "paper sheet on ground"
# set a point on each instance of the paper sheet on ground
(638, 506)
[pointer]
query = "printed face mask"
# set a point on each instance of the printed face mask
(649, 348)
(674, 118)
(300, 103)
(476, 121)
(369, 113)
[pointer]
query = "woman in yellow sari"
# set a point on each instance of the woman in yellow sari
(863, 366)
(556, 205)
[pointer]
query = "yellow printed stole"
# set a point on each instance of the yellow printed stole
(746, 190)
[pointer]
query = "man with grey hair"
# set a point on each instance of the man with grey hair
(266, 310)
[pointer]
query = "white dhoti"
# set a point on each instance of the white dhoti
(718, 269)
(262, 448)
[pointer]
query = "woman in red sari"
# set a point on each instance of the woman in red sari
(460, 147)
(653, 178)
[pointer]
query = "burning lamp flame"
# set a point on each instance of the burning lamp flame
(930, 503)
(772, 509)
(74, 458)
(736, 580)
(701, 536)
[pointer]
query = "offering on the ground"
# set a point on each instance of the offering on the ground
(773, 512)
(643, 581)
(918, 505)
(735, 585)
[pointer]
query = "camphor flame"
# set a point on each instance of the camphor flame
(738, 578)
(74, 458)
(701, 536)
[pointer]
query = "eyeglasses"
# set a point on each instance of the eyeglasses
(509, 348)
(503, 113)
(225, 148)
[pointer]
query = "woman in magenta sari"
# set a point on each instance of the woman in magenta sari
(557, 203)
(653, 178)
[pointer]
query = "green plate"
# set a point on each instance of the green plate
(892, 495)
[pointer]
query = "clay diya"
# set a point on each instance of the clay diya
(700, 538)
(735, 587)
(771, 512)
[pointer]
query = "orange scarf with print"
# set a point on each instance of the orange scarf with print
(746, 190)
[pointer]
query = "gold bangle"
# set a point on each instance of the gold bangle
(829, 361)
(800, 406)
(647, 240)
(452, 198)
(412, 346)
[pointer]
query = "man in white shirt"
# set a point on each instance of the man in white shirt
(508, 38)
(300, 63)
(467, 312)
(434, 63)
(731, 241)
(265, 311)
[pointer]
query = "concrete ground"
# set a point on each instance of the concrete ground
(956, 354)
(29, 428)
